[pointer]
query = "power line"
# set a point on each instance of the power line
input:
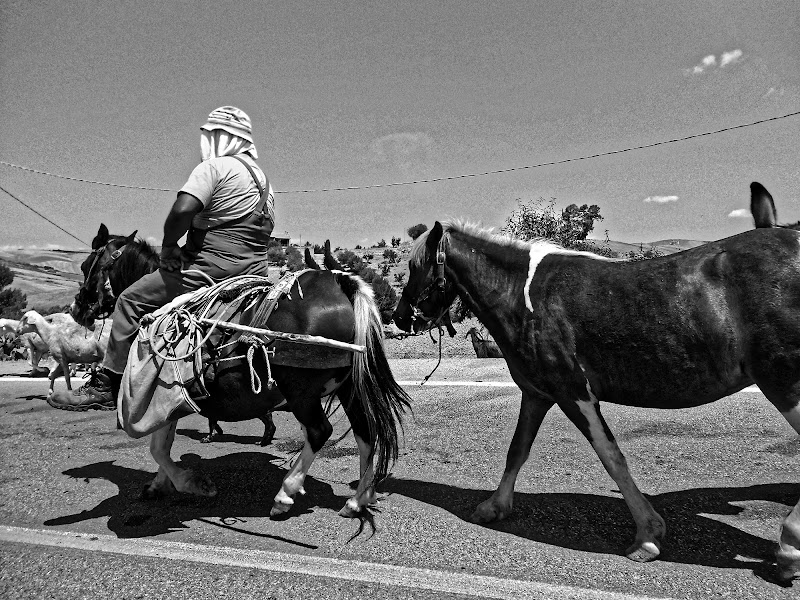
(41, 215)
(438, 179)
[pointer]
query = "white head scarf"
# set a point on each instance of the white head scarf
(219, 142)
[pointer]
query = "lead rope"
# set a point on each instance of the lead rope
(255, 381)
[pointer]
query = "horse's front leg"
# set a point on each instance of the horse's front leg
(650, 527)
(170, 476)
(532, 412)
(315, 437)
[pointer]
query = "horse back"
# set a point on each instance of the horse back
(675, 331)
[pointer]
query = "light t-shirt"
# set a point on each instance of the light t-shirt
(226, 189)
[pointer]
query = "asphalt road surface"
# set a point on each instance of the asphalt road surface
(72, 525)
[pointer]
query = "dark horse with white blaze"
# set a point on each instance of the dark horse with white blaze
(336, 306)
(577, 329)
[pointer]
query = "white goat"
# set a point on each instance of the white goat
(67, 342)
(36, 346)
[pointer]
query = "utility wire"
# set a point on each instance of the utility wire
(41, 215)
(438, 179)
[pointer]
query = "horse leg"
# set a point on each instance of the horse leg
(787, 556)
(269, 429)
(316, 430)
(213, 430)
(532, 412)
(365, 491)
(170, 476)
(650, 527)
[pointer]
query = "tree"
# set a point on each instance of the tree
(396, 241)
(417, 230)
(350, 260)
(276, 255)
(581, 219)
(12, 300)
(294, 260)
(539, 219)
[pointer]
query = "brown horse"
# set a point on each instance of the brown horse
(577, 329)
(336, 306)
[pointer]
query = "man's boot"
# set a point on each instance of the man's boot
(99, 393)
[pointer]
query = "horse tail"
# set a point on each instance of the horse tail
(383, 400)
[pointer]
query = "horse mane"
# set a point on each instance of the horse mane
(419, 252)
(138, 259)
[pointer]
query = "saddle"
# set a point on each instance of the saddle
(181, 348)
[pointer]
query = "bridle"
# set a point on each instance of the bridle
(97, 306)
(438, 284)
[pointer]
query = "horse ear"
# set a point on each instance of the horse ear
(131, 237)
(762, 206)
(101, 238)
(434, 236)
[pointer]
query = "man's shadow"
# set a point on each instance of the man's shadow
(601, 524)
(246, 484)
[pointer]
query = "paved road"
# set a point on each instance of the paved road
(71, 524)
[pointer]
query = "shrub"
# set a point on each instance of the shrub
(539, 220)
(390, 255)
(350, 260)
(385, 297)
(12, 300)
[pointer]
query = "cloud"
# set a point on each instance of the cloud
(739, 213)
(710, 61)
(661, 199)
(401, 148)
(731, 57)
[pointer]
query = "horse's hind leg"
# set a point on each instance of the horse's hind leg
(170, 474)
(787, 556)
(365, 491)
(532, 412)
(269, 429)
(650, 527)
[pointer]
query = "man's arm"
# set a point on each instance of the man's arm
(176, 225)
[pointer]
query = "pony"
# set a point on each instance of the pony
(762, 207)
(577, 329)
(337, 306)
(116, 261)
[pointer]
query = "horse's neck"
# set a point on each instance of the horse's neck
(491, 277)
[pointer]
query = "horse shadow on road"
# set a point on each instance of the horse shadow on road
(246, 483)
(602, 524)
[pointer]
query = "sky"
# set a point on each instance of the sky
(360, 94)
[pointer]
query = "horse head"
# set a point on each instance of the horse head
(428, 294)
(96, 297)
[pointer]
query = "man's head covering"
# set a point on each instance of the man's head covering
(227, 131)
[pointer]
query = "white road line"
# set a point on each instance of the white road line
(407, 383)
(480, 586)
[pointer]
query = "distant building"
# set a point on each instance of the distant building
(282, 238)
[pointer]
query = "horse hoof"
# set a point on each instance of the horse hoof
(644, 552)
(488, 513)
(279, 508)
(350, 510)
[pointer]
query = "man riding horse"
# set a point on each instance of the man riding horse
(226, 210)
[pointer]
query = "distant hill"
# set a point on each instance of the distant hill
(663, 246)
(52, 277)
